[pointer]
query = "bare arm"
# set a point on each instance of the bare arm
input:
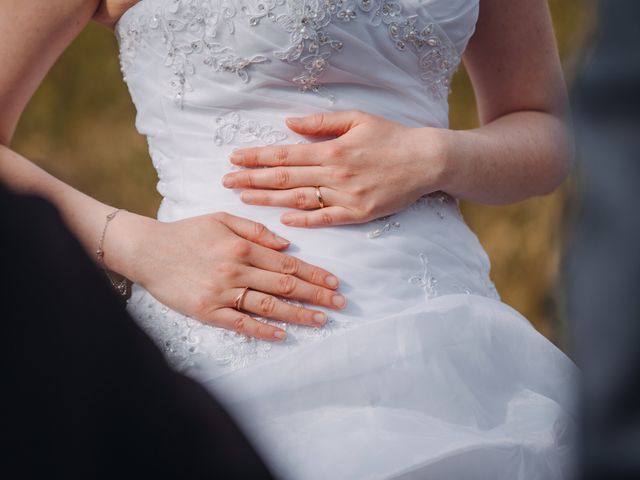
(197, 266)
(524, 146)
(35, 33)
(376, 167)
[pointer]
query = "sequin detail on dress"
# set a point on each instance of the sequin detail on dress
(192, 29)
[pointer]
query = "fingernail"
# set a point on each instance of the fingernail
(281, 335)
(236, 157)
(286, 218)
(227, 181)
(331, 281)
(338, 300)
(246, 196)
(319, 318)
(282, 240)
(294, 120)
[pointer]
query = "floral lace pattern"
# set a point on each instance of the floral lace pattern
(428, 281)
(230, 127)
(191, 29)
(438, 202)
(425, 280)
(185, 340)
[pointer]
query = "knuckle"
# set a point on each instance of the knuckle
(203, 305)
(267, 305)
(317, 120)
(259, 229)
(248, 180)
(280, 155)
(287, 284)
(341, 174)
(359, 190)
(225, 268)
(240, 249)
(334, 150)
(200, 306)
(369, 209)
(289, 265)
(239, 323)
(326, 218)
(317, 276)
(283, 178)
(300, 199)
(249, 158)
(318, 296)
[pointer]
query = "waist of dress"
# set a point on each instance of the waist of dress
(423, 251)
(385, 266)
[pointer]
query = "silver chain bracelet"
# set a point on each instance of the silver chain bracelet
(119, 284)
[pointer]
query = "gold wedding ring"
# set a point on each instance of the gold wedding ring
(319, 195)
(238, 303)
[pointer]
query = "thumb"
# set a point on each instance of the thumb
(330, 123)
(254, 231)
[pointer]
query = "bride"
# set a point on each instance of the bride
(309, 262)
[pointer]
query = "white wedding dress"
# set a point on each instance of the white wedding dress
(426, 373)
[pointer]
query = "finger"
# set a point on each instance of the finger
(267, 259)
(232, 319)
(274, 178)
(324, 123)
(290, 286)
(321, 217)
(302, 198)
(268, 306)
(253, 231)
(277, 155)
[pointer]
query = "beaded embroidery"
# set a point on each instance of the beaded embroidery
(436, 201)
(230, 127)
(426, 280)
(190, 30)
(433, 287)
(388, 224)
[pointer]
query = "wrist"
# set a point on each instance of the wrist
(125, 241)
(438, 158)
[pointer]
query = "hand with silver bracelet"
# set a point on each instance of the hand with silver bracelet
(220, 268)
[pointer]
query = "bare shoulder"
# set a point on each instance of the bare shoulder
(34, 34)
(110, 11)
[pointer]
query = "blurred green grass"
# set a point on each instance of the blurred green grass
(80, 127)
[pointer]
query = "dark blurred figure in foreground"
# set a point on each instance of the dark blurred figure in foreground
(603, 257)
(85, 394)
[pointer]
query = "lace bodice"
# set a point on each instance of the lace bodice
(319, 46)
(210, 75)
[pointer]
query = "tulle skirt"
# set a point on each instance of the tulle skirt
(426, 374)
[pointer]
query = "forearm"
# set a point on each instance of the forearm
(34, 36)
(84, 215)
(514, 157)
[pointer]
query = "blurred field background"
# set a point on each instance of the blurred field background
(80, 127)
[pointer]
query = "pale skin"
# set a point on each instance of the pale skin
(198, 266)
